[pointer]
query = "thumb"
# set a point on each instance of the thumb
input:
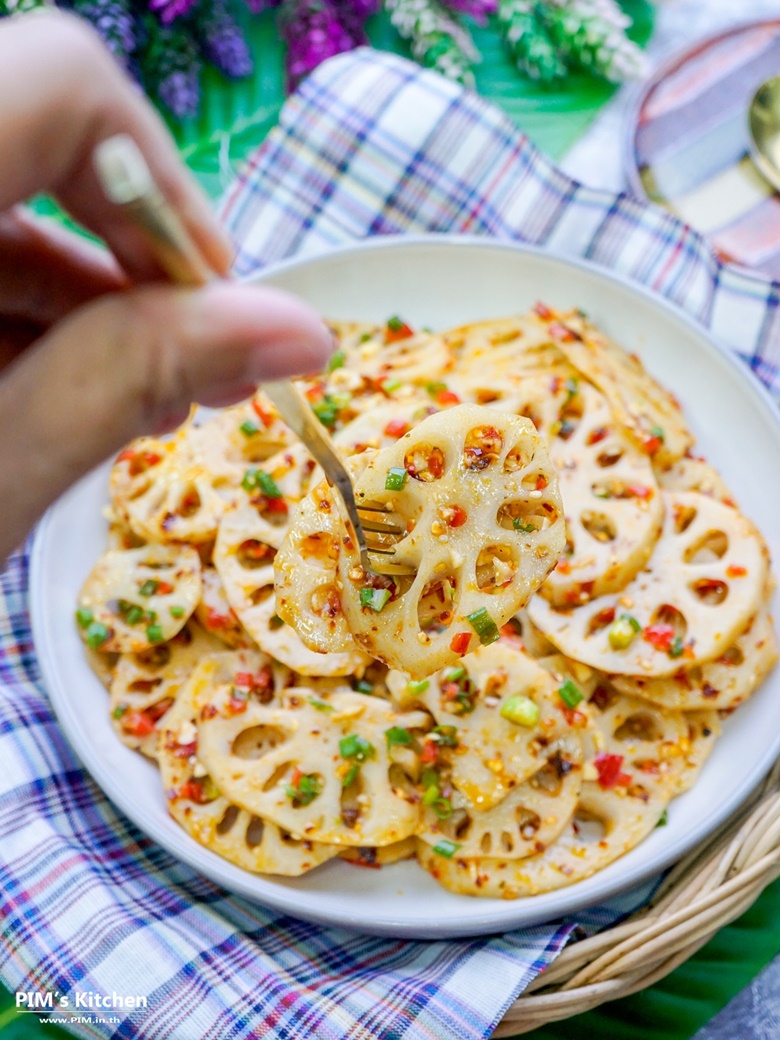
(133, 363)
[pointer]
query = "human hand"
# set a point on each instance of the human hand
(92, 352)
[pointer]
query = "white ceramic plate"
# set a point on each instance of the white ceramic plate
(442, 282)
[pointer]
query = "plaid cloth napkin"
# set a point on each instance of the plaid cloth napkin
(370, 145)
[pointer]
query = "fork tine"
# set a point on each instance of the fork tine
(389, 524)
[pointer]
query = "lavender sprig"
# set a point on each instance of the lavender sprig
(313, 31)
(169, 10)
(590, 34)
(221, 38)
(115, 22)
(437, 37)
(479, 10)
(529, 41)
(170, 67)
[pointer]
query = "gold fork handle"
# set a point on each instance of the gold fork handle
(127, 181)
(300, 418)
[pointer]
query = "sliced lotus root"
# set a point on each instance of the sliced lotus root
(217, 616)
(606, 825)
(461, 480)
(613, 508)
(308, 586)
(402, 354)
(491, 356)
(177, 490)
(196, 803)
(487, 754)
(524, 823)
(325, 773)
(144, 685)
(102, 665)
(703, 731)
(647, 410)
(690, 474)
(135, 598)
(382, 425)
(702, 584)
(376, 856)
(721, 684)
(244, 557)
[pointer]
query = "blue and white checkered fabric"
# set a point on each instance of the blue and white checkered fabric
(370, 145)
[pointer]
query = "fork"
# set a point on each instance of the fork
(127, 181)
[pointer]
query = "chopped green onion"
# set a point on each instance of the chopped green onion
(320, 705)
(453, 674)
(663, 819)
(446, 848)
(658, 431)
(356, 747)
(388, 385)
(677, 647)
(326, 411)
(429, 778)
(374, 598)
(249, 429)
(397, 735)
(395, 324)
(431, 794)
(96, 634)
(520, 710)
(176, 612)
(484, 625)
(134, 614)
(442, 807)
(351, 775)
(149, 587)
(361, 686)
(396, 479)
(365, 336)
(416, 688)
(154, 633)
(447, 736)
(210, 789)
(337, 360)
(435, 388)
(571, 388)
(119, 711)
(259, 480)
(622, 631)
(518, 525)
(84, 617)
(305, 791)
(569, 694)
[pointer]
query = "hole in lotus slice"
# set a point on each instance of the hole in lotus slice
(257, 741)
(589, 827)
(528, 823)
(153, 658)
(482, 447)
(548, 779)
(252, 554)
(600, 620)
(732, 657)
(609, 457)
(710, 591)
(228, 820)
(144, 685)
(424, 462)
(683, 516)
(261, 594)
(435, 606)
(639, 726)
(521, 455)
(534, 481)
(599, 526)
(711, 546)
(254, 832)
(495, 568)
(189, 502)
(351, 798)
(526, 516)
(401, 782)
(666, 614)
(569, 418)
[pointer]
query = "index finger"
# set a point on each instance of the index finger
(51, 123)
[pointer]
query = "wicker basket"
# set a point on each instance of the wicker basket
(706, 890)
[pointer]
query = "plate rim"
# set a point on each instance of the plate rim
(286, 899)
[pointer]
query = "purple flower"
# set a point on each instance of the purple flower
(180, 92)
(222, 40)
(168, 10)
(315, 30)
